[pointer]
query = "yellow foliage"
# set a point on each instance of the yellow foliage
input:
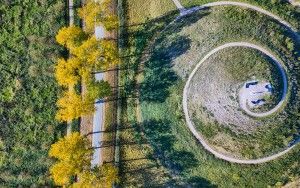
(70, 37)
(66, 72)
(88, 13)
(97, 54)
(109, 174)
(95, 13)
(72, 106)
(109, 55)
(61, 173)
(102, 177)
(88, 51)
(73, 156)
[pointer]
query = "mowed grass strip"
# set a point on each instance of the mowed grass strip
(141, 11)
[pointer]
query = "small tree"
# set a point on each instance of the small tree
(289, 44)
(66, 72)
(71, 37)
(73, 156)
(109, 55)
(100, 177)
(72, 106)
(99, 89)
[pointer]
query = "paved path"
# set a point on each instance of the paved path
(98, 121)
(98, 128)
(294, 2)
(71, 22)
(243, 103)
(184, 12)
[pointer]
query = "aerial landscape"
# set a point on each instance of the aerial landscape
(157, 93)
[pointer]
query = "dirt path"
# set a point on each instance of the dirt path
(244, 102)
(185, 92)
(199, 136)
(234, 3)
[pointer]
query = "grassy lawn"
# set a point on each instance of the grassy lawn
(161, 151)
(215, 108)
(140, 12)
(284, 9)
(137, 165)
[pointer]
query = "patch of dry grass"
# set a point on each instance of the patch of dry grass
(141, 11)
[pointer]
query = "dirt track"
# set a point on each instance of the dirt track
(185, 93)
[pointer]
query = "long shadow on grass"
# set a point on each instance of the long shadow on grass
(152, 51)
(158, 72)
(159, 75)
(177, 161)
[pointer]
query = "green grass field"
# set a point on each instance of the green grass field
(161, 151)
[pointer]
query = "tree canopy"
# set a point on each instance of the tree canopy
(72, 106)
(66, 72)
(73, 163)
(71, 37)
(98, 13)
(73, 155)
(99, 177)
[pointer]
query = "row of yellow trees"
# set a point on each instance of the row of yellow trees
(73, 165)
(87, 55)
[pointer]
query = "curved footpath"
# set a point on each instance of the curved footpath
(184, 12)
(199, 136)
(266, 52)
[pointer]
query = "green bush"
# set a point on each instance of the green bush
(28, 90)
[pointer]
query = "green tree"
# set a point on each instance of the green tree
(99, 89)
(99, 177)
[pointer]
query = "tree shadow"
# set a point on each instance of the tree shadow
(197, 181)
(162, 141)
(159, 75)
(157, 57)
(177, 161)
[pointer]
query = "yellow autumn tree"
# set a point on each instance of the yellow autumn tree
(66, 72)
(89, 51)
(97, 54)
(109, 55)
(98, 13)
(72, 106)
(73, 157)
(100, 177)
(71, 37)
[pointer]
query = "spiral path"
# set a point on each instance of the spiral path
(190, 124)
